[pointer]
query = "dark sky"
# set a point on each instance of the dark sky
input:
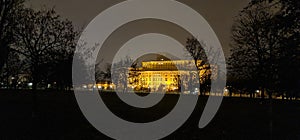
(219, 13)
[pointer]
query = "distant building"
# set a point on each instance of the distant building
(105, 85)
(165, 75)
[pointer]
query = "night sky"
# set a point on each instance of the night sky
(218, 13)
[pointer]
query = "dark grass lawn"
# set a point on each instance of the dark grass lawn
(59, 117)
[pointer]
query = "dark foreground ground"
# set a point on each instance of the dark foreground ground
(59, 118)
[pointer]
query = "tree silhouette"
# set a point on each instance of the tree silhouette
(102, 74)
(120, 74)
(288, 21)
(253, 42)
(43, 39)
(60, 72)
(196, 50)
(12, 70)
(8, 15)
(262, 46)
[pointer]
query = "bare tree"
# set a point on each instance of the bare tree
(254, 45)
(288, 23)
(265, 45)
(120, 74)
(8, 12)
(43, 37)
(11, 71)
(102, 73)
(196, 50)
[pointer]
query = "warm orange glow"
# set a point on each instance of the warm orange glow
(162, 74)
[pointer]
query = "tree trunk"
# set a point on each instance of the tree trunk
(270, 94)
(263, 93)
(34, 99)
(34, 92)
(4, 54)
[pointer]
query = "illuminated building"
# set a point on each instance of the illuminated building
(165, 75)
(104, 85)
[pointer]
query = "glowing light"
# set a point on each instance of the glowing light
(30, 84)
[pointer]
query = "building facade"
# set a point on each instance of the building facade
(166, 75)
